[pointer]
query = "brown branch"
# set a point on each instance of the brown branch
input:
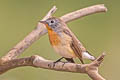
(9, 61)
(39, 62)
(84, 12)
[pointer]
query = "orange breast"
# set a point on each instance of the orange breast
(54, 39)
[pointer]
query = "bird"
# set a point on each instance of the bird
(64, 42)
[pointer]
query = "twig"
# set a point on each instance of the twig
(49, 14)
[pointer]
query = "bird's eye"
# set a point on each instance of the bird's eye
(52, 21)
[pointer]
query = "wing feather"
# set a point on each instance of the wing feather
(74, 45)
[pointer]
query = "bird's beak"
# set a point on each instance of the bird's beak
(44, 22)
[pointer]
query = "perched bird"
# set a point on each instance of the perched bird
(64, 41)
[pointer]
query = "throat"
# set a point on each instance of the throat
(53, 37)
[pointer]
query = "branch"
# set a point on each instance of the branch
(9, 61)
(84, 12)
(39, 62)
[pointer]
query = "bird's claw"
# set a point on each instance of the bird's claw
(52, 65)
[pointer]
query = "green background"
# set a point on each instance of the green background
(98, 32)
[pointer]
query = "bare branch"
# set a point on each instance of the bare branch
(49, 14)
(11, 64)
(39, 62)
(9, 61)
(84, 12)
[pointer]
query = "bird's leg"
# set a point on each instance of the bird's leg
(57, 61)
(70, 60)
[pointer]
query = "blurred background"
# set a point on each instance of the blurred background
(98, 32)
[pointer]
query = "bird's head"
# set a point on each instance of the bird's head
(53, 23)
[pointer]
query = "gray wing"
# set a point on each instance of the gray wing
(74, 45)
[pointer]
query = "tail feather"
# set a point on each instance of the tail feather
(87, 55)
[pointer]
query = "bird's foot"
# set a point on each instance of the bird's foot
(53, 64)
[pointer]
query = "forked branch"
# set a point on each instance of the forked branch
(9, 61)
(39, 62)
